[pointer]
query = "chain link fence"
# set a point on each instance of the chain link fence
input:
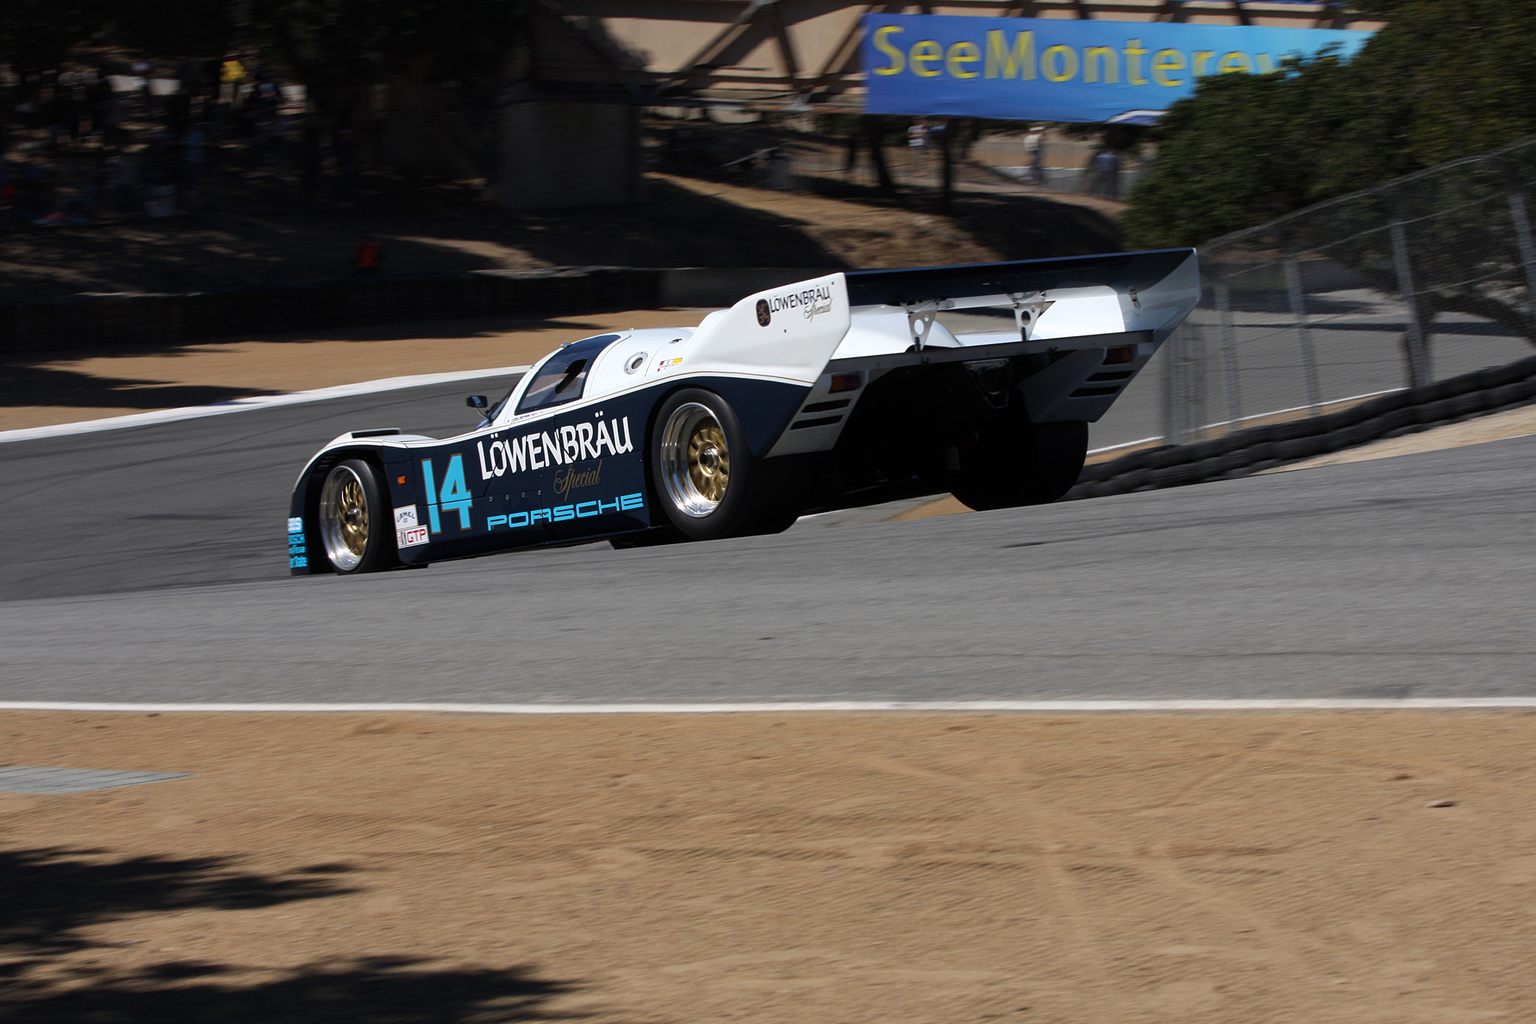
(1418, 280)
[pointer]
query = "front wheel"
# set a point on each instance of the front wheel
(1018, 463)
(355, 528)
(705, 476)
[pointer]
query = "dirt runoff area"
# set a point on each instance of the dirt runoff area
(776, 868)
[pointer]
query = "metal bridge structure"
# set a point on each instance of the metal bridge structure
(576, 83)
(799, 55)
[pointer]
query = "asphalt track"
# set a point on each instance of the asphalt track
(190, 502)
(146, 565)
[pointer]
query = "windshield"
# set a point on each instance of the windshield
(564, 375)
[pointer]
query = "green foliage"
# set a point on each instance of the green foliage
(1244, 150)
(1443, 79)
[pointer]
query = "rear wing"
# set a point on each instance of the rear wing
(1051, 298)
(792, 332)
(1082, 328)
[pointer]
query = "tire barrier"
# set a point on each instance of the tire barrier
(1244, 452)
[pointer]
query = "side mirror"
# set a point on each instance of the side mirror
(477, 402)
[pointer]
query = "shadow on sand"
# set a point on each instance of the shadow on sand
(50, 898)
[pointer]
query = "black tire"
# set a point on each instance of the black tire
(352, 517)
(703, 474)
(1017, 463)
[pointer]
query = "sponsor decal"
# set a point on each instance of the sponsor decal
(411, 536)
(405, 517)
(539, 449)
(566, 513)
(298, 557)
(763, 314)
(298, 562)
(811, 302)
(570, 478)
(1046, 69)
(666, 363)
(295, 524)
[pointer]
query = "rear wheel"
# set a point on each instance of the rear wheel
(1017, 463)
(706, 478)
(355, 528)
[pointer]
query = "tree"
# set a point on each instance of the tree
(1443, 79)
(1245, 149)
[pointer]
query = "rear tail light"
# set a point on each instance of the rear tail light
(844, 382)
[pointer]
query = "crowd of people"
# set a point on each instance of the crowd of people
(81, 145)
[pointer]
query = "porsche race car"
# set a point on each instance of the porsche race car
(843, 390)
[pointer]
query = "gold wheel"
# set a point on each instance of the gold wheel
(345, 516)
(709, 461)
(695, 460)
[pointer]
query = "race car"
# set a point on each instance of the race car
(843, 390)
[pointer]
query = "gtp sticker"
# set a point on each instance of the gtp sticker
(411, 537)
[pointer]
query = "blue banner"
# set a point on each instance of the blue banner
(1042, 69)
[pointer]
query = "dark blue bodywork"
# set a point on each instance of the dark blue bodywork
(577, 473)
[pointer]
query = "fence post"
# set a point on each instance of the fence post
(1522, 220)
(1183, 384)
(1303, 334)
(1174, 429)
(1192, 351)
(1418, 352)
(1228, 353)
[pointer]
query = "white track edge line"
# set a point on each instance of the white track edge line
(1068, 705)
(192, 412)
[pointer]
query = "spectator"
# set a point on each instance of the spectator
(53, 117)
(1034, 150)
(310, 161)
(349, 165)
(99, 96)
(231, 74)
(123, 182)
(917, 143)
(178, 113)
(143, 69)
(1111, 174)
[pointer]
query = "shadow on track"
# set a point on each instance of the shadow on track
(35, 385)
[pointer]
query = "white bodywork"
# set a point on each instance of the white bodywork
(813, 333)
